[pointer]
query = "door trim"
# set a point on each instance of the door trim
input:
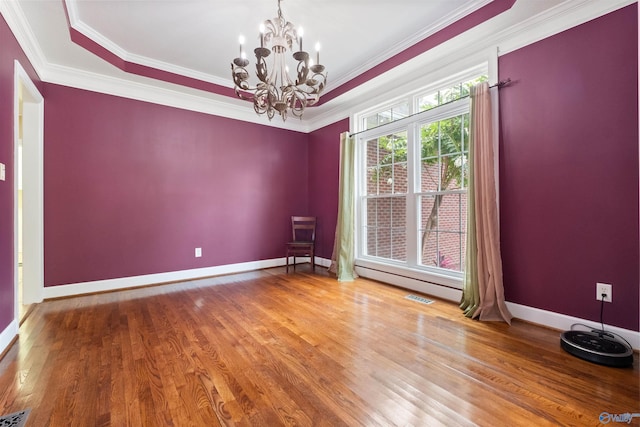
(33, 170)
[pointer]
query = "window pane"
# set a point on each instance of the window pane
(386, 228)
(430, 175)
(371, 242)
(371, 122)
(387, 164)
(427, 102)
(372, 180)
(372, 152)
(385, 180)
(451, 172)
(428, 212)
(398, 244)
(400, 111)
(443, 230)
(394, 113)
(400, 178)
(449, 213)
(448, 254)
(450, 136)
(399, 207)
(429, 140)
(384, 212)
(452, 93)
(372, 213)
(443, 158)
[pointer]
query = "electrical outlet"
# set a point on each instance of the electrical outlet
(604, 288)
(198, 252)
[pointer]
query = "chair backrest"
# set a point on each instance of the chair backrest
(303, 228)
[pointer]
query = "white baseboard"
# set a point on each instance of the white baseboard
(61, 291)
(153, 279)
(545, 318)
(563, 322)
(323, 262)
(7, 336)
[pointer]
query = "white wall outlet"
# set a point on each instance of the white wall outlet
(604, 288)
(198, 252)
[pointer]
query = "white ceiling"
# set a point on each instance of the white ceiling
(199, 38)
(202, 35)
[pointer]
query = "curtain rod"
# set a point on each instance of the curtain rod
(499, 85)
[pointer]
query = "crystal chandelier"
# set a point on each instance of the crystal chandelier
(276, 91)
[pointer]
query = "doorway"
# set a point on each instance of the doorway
(28, 193)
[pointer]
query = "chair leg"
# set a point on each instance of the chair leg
(313, 262)
(287, 270)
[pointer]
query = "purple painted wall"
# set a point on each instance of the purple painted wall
(324, 164)
(569, 170)
(131, 188)
(9, 52)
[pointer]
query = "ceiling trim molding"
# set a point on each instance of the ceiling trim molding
(17, 22)
(213, 104)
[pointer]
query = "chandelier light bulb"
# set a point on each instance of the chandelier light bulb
(300, 34)
(318, 53)
(241, 41)
(261, 28)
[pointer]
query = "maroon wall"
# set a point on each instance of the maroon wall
(569, 170)
(9, 52)
(131, 188)
(324, 163)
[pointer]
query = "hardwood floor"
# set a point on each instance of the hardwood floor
(269, 349)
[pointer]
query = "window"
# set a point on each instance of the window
(386, 197)
(442, 194)
(413, 177)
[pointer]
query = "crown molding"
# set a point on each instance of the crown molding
(17, 22)
(198, 101)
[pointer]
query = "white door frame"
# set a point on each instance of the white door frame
(33, 181)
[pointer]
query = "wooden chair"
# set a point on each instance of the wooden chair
(303, 229)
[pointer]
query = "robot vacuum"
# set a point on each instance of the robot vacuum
(598, 346)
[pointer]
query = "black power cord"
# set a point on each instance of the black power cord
(602, 310)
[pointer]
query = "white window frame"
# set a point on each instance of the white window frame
(412, 269)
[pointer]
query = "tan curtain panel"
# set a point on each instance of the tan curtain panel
(483, 291)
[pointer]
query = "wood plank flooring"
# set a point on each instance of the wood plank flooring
(270, 349)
